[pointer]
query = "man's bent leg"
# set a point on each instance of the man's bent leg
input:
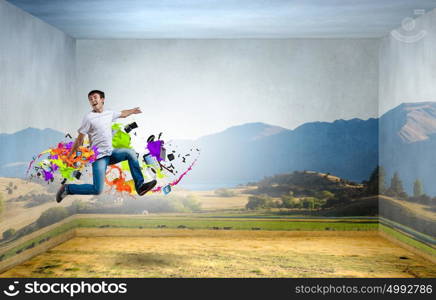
(98, 175)
(121, 154)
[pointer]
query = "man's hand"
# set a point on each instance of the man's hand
(136, 110)
(77, 143)
(128, 112)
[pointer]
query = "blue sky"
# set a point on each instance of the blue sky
(131, 19)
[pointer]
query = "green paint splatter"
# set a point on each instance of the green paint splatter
(120, 138)
(125, 165)
(66, 172)
(159, 173)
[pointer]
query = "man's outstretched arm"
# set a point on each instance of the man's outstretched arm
(128, 112)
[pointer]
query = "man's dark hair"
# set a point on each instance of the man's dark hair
(96, 92)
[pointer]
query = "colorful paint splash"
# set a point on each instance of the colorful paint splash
(119, 183)
(120, 139)
(155, 149)
(155, 164)
(58, 160)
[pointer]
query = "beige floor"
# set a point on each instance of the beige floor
(178, 253)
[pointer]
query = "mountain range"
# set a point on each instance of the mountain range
(402, 140)
(17, 149)
(408, 144)
(242, 153)
(249, 152)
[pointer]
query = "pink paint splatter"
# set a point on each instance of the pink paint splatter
(175, 182)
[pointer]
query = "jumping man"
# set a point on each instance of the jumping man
(97, 124)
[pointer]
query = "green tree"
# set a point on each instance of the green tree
(396, 189)
(312, 201)
(381, 180)
(424, 199)
(258, 202)
(192, 203)
(9, 188)
(418, 188)
(372, 186)
(309, 202)
(52, 215)
(288, 201)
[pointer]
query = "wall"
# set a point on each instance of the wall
(37, 78)
(407, 102)
(280, 82)
(37, 89)
(408, 64)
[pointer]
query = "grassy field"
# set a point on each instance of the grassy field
(278, 247)
(212, 202)
(244, 222)
(235, 223)
(224, 240)
(408, 240)
(210, 253)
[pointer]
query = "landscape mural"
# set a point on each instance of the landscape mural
(297, 157)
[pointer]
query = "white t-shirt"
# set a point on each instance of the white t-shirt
(98, 126)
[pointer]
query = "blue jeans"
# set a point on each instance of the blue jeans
(99, 172)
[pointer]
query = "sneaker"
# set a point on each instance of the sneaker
(145, 187)
(61, 194)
